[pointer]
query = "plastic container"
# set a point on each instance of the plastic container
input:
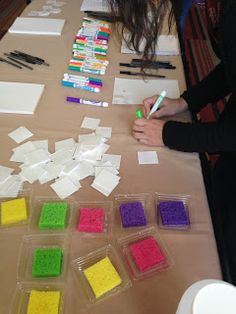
(60, 219)
(23, 291)
(15, 211)
(172, 211)
(132, 210)
(92, 219)
(144, 253)
(100, 274)
(44, 254)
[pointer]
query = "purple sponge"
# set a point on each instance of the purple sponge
(173, 213)
(132, 214)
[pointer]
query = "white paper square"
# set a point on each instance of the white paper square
(5, 173)
(32, 174)
(105, 182)
(104, 131)
(90, 123)
(114, 159)
(65, 144)
(64, 187)
(37, 157)
(20, 134)
(147, 158)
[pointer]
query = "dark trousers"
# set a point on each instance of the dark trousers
(224, 213)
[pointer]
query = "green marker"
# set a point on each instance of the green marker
(139, 114)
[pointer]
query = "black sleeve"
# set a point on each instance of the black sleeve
(222, 79)
(201, 137)
(210, 89)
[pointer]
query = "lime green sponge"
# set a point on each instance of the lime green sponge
(47, 262)
(53, 215)
(102, 277)
(13, 211)
(44, 302)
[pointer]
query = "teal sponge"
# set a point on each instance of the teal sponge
(53, 215)
(47, 262)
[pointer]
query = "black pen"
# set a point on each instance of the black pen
(150, 62)
(18, 62)
(36, 59)
(16, 56)
(142, 74)
(11, 63)
(156, 66)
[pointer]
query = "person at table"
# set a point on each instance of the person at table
(143, 19)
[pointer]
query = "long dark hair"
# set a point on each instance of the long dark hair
(135, 18)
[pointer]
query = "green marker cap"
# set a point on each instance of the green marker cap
(139, 113)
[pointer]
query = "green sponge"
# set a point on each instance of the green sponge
(53, 216)
(47, 262)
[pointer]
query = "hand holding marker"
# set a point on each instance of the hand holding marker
(157, 104)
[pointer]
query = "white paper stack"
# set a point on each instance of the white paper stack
(167, 45)
(95, 6)
(21, 98)
(37, 26)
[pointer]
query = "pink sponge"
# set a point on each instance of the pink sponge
(91, 220)
(147, 254)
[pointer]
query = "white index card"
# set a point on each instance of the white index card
(90, 123)
(64, 187)
(114, 159)
(5, 172)
(147, 158)
(104, 131)
(65, 144)
(37, 157)
(105, 182)
(20, 134)
(32, 174)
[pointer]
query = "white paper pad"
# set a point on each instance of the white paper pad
(90, 123)
(64, 187)
(37, 157)
(37, 26)
(147, 158)
(20, 134)
(11, 186)
(95, 6)
(166, 45)
(133, 92)
(20, 98)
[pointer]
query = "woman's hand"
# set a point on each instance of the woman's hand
(148, 131)
(168, 107)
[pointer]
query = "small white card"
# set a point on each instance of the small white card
(20, 134)
(64, 187)
(104, 131)
(90, 123)
(147, 158)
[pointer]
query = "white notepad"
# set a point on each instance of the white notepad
(21, 98)
(95, 6)
(133, 91)
(37, 26)
(167, 45)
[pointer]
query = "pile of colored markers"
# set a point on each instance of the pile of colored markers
(86, 83)
(90, 47)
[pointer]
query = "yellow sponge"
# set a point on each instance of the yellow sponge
(13, 211)
(44, 302)
(102, 277)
